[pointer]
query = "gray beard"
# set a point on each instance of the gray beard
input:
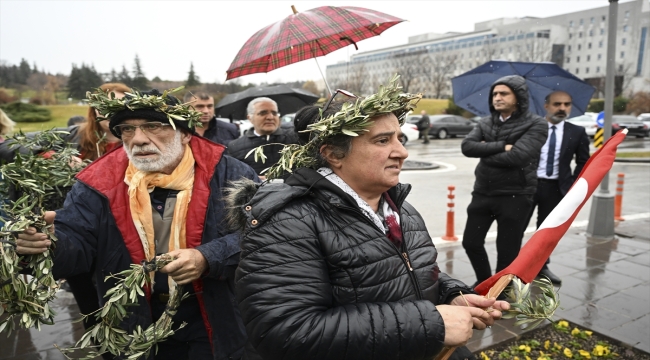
(174, 151)
(557, 119)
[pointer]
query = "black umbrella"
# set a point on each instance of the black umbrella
(289, 100)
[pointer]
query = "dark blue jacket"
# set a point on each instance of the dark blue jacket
(95, 225)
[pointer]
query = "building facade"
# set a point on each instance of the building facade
(576, 42)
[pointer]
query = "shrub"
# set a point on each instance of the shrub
(640, 103)
(598, 105)
(6, 98)
(20, 112)
(454, 109)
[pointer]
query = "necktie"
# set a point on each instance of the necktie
(551, 153)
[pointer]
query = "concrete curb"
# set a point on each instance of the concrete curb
(632, 160)
(419, 165)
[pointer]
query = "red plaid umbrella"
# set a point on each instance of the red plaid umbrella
(307, 35)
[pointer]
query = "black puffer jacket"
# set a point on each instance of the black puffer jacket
(318, 280)
(238, 148)
(511, 172)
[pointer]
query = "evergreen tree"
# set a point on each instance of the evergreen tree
(35, 69)
(192, 79)
(124, 77)
(139, 81)
(24, 70)
(82, 79)
(112, 76)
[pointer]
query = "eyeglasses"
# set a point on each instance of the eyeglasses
(338, 91)
(266, 112)
(127, 130)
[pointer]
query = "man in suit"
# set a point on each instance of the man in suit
(554, 177)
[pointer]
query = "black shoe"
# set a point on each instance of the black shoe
(545, 272)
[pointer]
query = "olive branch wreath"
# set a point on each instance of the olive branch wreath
(353, 119)
(107, 104)
(42, 182)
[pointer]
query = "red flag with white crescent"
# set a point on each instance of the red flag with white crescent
(534, 253)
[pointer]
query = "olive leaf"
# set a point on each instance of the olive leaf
(528, 309)
(107, 336)
(40, 179)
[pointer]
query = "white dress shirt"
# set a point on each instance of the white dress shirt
(543, 157)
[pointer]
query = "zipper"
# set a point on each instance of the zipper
(404, 255)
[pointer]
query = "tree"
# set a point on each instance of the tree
(409, 66)
(124, 77)
(83, 79)
(438, 71)
(192, 79)
(310, 86)
(139, 81)
(356, 78)
(23, 72)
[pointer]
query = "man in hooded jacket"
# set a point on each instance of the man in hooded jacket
(508, 143)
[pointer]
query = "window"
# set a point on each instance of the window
(587, 71)
(622, 54)
(625, 28)
(600, 56)
(579, 47)
(623, 41)
(603, 18)
(577, 58)
(570, 35)
(600, 44)
(580, 34)
(577, 70)
(620, 68)
(568, 60)
(591, 20)
(569, 48)
(627, 14)
(597, 69)
(571, 23)
(588, 57)
(510, 50)
(589, 46)
(581, 22)
(591, 33)
(501, 52)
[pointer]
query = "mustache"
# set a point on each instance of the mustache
(137, 149)
(560, 113)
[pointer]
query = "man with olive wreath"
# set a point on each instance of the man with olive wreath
(133, 204)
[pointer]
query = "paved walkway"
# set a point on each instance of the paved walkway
(605, 283)
(606, 288)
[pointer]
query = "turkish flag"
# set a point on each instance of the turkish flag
(534, 253)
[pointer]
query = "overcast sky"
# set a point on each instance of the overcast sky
(169, 35)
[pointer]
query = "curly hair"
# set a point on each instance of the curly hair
(90, 132)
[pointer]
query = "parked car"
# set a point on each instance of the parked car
(646, 121)
(643, 116)
(410, 132)
(244, 125)
(634, 126)
(443, 126)
(412, 119)
(286, 121)
(587, 122)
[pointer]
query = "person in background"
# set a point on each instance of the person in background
(508, 143)
(265, 118)
(76, 120)
(217, 131)
(423, 126)
(6, 125)
(565, 142)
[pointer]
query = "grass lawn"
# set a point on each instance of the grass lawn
(60, 116)
(639, 154)
(432, 106)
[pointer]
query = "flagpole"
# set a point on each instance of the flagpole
(601, 219)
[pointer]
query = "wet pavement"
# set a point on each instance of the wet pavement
(605, 283)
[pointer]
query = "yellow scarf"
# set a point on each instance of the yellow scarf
(140, 183)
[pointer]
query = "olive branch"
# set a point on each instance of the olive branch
(107, 104)
(41, 178)
(107, 332)
(528, 309)
(353, 119)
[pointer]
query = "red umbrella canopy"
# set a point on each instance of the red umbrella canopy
(306, 35)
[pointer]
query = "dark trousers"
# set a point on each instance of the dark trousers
(510, 213)
(424, 134)
(85, 294)
(546, 198)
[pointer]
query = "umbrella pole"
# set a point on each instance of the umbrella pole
(323, 75)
